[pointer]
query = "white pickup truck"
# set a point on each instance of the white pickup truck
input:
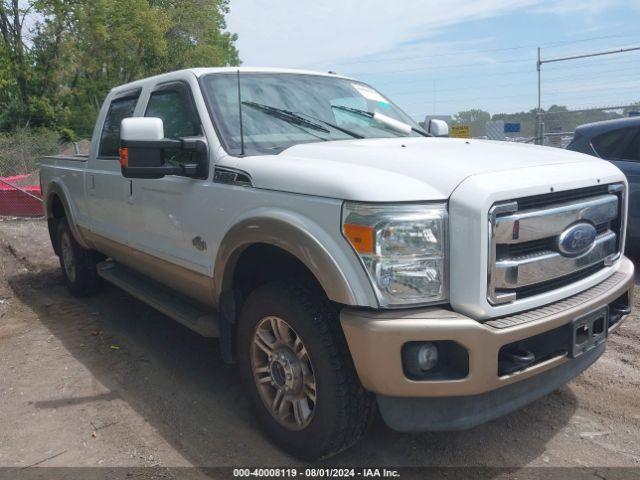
(349, 261)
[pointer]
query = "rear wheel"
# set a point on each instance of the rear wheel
(298, 371)
(78, 264)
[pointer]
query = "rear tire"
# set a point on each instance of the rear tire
(79, 265)
(321, 408)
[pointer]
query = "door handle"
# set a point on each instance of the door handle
(92, 184)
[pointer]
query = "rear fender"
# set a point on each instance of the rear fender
(57, 189)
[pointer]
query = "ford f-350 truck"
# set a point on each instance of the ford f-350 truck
(348, 260)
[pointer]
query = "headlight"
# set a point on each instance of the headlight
(403, 248)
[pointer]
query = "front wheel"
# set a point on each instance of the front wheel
(298, 371)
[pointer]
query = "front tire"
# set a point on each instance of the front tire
(298, 372)
(79, 265)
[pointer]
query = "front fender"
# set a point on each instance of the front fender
(330, 259)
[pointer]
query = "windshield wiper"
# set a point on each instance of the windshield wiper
(372, 115)
(286, 115)
(298, 118)
(332, 125)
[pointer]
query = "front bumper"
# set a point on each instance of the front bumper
(376, 339)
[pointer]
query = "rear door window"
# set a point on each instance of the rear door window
(119, 109)
(623, 144)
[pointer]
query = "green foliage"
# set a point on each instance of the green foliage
(471, 116)
(67, 135)
(476, 118)
(77, 50)
(21, 150)
(196, 36)
(527, 121)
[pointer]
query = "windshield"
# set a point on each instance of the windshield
(280, 110)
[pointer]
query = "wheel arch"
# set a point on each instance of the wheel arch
(301, 240)
(57, 206)
(305, 241)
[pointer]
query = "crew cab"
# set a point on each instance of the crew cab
(349, 261)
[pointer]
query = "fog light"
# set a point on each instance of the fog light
(427, 356)
(438, 360)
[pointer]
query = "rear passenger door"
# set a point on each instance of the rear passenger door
(107, 190)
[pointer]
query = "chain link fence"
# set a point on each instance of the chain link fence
(20, 153)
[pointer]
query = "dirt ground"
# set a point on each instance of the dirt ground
(108, 381)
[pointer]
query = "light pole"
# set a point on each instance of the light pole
(539, 132)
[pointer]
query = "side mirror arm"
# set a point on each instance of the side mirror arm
(193, 144)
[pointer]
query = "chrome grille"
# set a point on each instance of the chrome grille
(524, 254)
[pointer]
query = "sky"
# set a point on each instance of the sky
(445, 56)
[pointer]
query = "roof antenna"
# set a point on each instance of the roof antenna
(240, 112)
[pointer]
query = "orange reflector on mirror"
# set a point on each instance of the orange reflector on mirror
(124, 157)
(360, 236)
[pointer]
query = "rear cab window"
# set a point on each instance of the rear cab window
(121, 107)
(622, 144)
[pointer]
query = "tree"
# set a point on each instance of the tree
(476, 118)
(527, 121)
(197, 34)
(12, 18)
(57, 73)
(468, 117)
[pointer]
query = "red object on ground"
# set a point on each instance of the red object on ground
(16, 203)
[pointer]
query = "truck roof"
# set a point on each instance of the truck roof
(596, 128)
(199, 72)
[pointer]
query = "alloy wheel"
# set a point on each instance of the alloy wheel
(283, 373)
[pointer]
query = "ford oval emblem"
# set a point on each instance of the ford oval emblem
(577, 239)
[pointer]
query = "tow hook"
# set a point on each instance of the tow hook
(513, 359)
(617, 311)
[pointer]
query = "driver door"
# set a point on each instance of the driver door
(159, 207)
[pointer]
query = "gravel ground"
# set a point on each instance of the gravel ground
(108, 381)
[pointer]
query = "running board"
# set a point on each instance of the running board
(161, 298)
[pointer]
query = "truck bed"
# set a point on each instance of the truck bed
(78, 157)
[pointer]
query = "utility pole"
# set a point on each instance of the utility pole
(540, 123)
(539, 133)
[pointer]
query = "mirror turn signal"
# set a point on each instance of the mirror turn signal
(124, 157)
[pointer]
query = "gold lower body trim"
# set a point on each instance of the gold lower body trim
(375, 339)
(191, 284)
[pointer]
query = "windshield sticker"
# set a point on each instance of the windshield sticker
(369, 93)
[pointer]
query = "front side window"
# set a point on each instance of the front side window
(281, 110)
(119, 109)
(173, 104)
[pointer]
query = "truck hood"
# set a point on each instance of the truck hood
(393, 170)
